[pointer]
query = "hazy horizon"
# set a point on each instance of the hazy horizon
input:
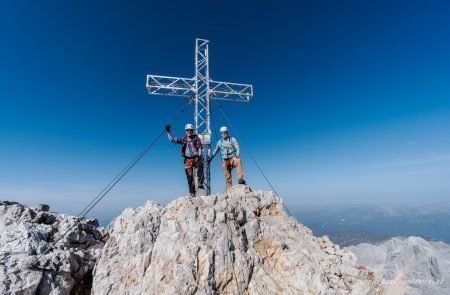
(351, 100)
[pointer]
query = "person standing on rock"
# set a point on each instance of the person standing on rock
(229, 149)
(191, 150)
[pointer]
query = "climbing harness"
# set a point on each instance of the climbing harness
(232, 147)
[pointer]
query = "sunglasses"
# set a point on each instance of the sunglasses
(189, 130)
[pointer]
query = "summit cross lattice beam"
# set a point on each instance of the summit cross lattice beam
(203, 90)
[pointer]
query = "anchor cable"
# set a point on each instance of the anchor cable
(113, 183)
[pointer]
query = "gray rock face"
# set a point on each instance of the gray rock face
(26, 232)
(408, 265)
(237, 243)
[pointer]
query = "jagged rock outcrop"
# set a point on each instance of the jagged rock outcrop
(26, 232)
(240, 243)
(408, 265)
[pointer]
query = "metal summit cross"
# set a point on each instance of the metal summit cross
(202, 89)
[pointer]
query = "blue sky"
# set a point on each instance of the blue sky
(352, 99)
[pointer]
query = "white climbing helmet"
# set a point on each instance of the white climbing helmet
(223, 129)
(189, 127)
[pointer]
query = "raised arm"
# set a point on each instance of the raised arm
(169, 134)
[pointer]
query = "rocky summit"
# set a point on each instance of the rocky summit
(239, 242)
(28, 265)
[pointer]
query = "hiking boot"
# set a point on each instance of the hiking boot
(241, 181)
(192, 195)
(200, 186)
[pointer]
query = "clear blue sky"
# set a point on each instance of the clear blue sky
(352, 98)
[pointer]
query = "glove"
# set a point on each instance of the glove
(209, 160)
(167, 128)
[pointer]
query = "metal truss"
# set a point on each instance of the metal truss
(230, 91)
(202, 108)
(163, 85)
(175, 86)
(203, 89)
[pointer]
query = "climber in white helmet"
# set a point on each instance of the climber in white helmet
(191, 151)
(229, 148)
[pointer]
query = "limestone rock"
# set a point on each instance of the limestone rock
(242, 242)
(410, 265)
(27, 232)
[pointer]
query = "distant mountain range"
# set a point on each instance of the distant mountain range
(352, 225)
(404, 265)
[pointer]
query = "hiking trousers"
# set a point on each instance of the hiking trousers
(228, 165)
(189, 165)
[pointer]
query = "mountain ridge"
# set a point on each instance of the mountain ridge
(410, 265)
